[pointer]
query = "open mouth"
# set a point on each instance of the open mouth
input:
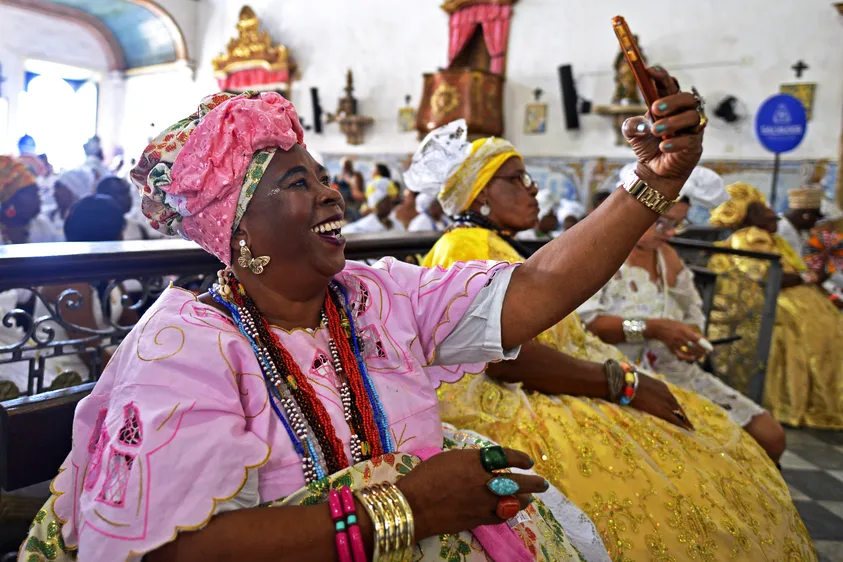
(330, 230)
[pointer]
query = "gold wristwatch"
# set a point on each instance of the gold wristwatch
(648, 196)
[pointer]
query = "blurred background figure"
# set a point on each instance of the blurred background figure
(68, 188)
(121, 192)
(548, 222)
(430, 216)
(380, 198)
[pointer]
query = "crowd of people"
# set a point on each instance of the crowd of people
(493, 403)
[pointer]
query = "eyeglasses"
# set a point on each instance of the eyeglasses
(664, 224)
(524, 178)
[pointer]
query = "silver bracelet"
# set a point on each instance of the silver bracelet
(633, 330)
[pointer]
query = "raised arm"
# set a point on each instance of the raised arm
(567, 271)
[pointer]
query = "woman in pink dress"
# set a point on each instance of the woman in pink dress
(291, 413)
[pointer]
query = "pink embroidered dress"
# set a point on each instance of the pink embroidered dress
(181, 414)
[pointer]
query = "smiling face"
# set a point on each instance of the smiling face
(293, 218)
(514, 206)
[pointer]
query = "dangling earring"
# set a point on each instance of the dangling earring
(255, 265)
(223, 276)
(11, 212)
(485, 210)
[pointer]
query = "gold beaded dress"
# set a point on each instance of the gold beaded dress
(655, 492)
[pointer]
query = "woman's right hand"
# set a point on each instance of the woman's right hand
(448, 492)
(680, 338)
(655, 398)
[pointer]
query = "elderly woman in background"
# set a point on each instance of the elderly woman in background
(301, 379)
(380, 198)
(430, 216)
(559, 400)
(651, 310)
(804, 380)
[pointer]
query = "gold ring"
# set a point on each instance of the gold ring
(684, 349)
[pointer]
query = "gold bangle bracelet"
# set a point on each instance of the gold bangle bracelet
(391, 536)
(377, 522)
(409, 533)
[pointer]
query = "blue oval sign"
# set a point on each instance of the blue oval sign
(780, 123)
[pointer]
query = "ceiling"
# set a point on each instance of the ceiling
(139, 31)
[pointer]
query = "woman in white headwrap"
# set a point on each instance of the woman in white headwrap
(651, 310)
(380, 197)
(431, 217)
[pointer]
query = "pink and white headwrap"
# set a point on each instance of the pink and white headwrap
(197, 177)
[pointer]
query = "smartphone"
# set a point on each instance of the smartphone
(634, 60)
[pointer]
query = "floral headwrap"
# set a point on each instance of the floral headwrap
(197, 177)
(14, 176)
(732, 213)
(447, 165)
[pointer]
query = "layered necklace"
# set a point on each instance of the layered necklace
(293, 397)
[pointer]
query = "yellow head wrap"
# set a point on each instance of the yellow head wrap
(462, 188)
(732, 213)
(14, 176)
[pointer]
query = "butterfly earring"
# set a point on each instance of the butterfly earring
(255, 265)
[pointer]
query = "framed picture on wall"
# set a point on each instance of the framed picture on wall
(406, 119)
(535, 119)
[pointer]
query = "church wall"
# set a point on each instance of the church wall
(723, 47)
(29, 35)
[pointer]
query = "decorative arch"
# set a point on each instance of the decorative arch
(133, 33)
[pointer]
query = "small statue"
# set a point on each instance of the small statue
(351, 124)
(626, 88)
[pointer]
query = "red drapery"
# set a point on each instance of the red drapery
(495, 22)
(254, 78)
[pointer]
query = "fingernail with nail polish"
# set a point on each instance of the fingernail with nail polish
(641, 127)
(659, 128)
(546, 485)
(668, 145)
(657, 68)
(662, 106)
(532, 463)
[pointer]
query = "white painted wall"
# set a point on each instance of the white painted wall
(743, 47)
(28, 35)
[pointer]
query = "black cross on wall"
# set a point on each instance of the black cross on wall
(799, 68)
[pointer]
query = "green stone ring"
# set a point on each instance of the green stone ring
(502, 486)
(493, 458)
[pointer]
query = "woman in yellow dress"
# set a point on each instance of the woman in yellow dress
(804, 381)
(654, 489)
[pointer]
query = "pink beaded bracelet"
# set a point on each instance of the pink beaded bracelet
(343, 548)
(358, 551)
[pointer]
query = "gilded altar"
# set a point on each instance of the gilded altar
(474, 95)
(252, 61)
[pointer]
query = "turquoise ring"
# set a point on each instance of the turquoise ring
(502, 486)
(493, 458)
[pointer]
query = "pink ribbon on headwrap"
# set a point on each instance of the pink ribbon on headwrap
(210, 153)
(500, 542)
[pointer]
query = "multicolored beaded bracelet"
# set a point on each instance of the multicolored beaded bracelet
(630, 384)
(341, 537)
